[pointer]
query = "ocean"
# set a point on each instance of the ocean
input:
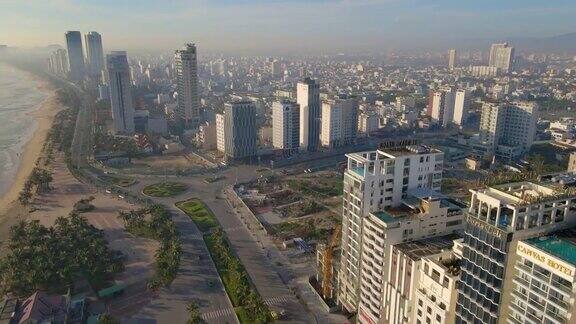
(20, 94)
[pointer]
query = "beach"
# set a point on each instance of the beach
(43, 116)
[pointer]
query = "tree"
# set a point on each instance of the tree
(194, 313)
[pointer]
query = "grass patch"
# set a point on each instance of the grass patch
(199, 213)
(118, 181)
(165, 189)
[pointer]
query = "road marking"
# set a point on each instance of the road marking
(277, 300)
(217, 313)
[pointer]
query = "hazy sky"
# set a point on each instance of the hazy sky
(291, 25)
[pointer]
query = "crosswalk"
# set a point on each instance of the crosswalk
(277, 300)
(217, 313)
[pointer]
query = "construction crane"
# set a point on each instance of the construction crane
(328, 256)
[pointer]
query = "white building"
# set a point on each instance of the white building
(544, 280)
(501, 56)
(443, 106)
(187, 75)
(120, 87)
(308, 97)
(220, 133)
(483, 71)
(375, 180)
(94, 53)
(206, 136)
(451, 59)
(286, 125)
(461, 106)
(368, 122)
(339, 122)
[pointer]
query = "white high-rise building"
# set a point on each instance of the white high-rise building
(94, 53)
(451, 59)
(461, 106)
(59, 62)
(508, 129)
(220, 133)
(285, 125)
(120, 92)
(75, 55)
(368, 122)
(308, 97)
(339, 122)
(240, 133)
(443, 106)
(502, 56)
(187, 74)
(374, 181)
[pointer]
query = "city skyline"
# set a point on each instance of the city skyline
(297, 26)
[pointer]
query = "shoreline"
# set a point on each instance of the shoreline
(43, 117)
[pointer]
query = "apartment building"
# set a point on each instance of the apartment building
(286, 125)
(339, 122)
(373, 181)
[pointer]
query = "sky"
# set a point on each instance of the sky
(282, 25)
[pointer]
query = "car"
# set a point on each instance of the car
(108, 191)
(120, 196)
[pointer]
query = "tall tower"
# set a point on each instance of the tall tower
(461, 103)
(240, 129)
(94, 53)
(285, 125)
(120, 92)
(75, 55)
(308, 97)
(501, 56)
(451, 59)
(187, 75)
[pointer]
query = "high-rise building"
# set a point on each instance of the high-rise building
(374, 181)
(368, 122)
(120, 86)
(451, 59)
(276, 68)
(308, 97)
(75, 55)
(94, 53)
(220, 133)
(508, 129)
(339, 121)
(240, 133)
(461, 106)
(59, 62)
(498, 218)
(544, 280)
(285, 125)
(501, 56)
(187, 75)
(443, 106)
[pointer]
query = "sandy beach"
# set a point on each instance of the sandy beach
(43, 117)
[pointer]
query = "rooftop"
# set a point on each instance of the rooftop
(560, 244)
(426, 247)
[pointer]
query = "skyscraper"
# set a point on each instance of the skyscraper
(339, 121)
(461, 103)
(308, 97)
(94, 53)
(374, 181)
(187, 74)
(286, 125)
(240, 134)
(443, 106)
(120, 92)
(451, 59)
(75, 55)
(501, 56)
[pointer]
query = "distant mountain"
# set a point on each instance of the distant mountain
(559, 43)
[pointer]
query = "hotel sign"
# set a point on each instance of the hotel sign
(490, 229)
(546, 261)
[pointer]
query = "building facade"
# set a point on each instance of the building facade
(120, 87)
(220, 133)
(94, 54)
(501, 56)
(461, 106)
(186, 64)
(75, 55)
(368, 122)
(443, 107)
(308, 97)
(286, 125)
(339, 122)
(451, 59)
(240, 133)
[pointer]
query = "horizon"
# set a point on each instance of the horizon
(285, 26)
